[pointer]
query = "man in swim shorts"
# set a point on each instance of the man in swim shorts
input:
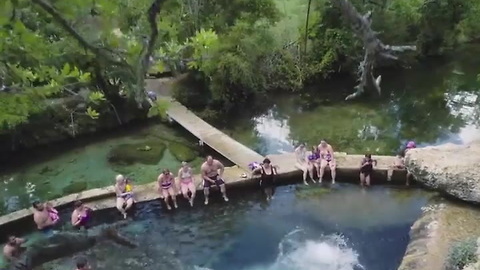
(13, 249)
(45, 216)
(212, 172)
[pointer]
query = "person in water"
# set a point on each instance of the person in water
(313, 163)
(212, 172)
(326, 159)
(399, 163)
(81, 263)
(13, 249)
(302, 162)
(45, 216)
(80, 215)
(166, 187)
(366, 169)
(267, 178)
(124, 198)
(187, 182)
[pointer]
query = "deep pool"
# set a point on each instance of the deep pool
(303, 228)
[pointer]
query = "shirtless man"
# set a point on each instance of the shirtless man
(45, 216)
(326, 159)
(212, 172)
(13, 248)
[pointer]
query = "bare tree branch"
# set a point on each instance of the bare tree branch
(374, 48)
(81, 40)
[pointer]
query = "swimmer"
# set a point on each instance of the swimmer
(45, 216)
(267, 179)
(187, 182)
(327, 159)
(80, 215)
(212, 172)
(124, 198)
(366, 169)
(302, 162)
(166, 187)
(13, 249)
(81, 263)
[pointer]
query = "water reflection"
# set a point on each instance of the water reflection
(432, 103)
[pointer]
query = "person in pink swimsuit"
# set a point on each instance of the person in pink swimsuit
(187, 182)
(166, 187)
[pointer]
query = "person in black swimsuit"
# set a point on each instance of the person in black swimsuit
(267, 178)
(366, 169)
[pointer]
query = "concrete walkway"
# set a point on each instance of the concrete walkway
(217, 140)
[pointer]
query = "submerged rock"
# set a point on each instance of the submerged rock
(148, 152)
(449, 168)
(75, 187)
(182, 152)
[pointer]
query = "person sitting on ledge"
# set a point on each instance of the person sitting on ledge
(399, 163)
(80, 215)
(212, 172)
(267, 179)
(13, 249)
(313, 162)
(187, 182)
(302, 162)
(326, 159)
(45, 216)
(166, 188)
(124, 197)
(366, 169)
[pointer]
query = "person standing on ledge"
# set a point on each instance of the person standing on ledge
(212, 172)
(166, 187)
(81, 263)
(13, 249)
(267, 179)
(45, 216)
(326, 159)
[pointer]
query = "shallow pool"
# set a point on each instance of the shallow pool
(303, 228)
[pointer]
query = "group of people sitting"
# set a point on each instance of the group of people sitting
(212, 175)
(317, 160)
(322, 157)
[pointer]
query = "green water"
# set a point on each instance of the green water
(57, 170)
(431, 103)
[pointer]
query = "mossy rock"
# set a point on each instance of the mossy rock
(182, 152)
(74, 187)
(148, 152)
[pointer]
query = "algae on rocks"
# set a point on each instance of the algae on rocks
(75, 187)
(149, 152)
(182, 152)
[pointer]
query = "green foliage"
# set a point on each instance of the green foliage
(159, 108)
(461, 254)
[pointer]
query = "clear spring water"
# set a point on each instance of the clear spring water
(303, 228)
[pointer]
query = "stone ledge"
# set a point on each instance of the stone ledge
(102, 198)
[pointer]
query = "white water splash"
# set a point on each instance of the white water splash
(327, 253)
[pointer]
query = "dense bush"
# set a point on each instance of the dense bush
(461, 254)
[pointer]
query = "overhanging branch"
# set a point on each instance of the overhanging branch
(81, 40)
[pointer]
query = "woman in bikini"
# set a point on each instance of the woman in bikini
(80, 215)
(267, 179)
(187, 182)
(366, 169)
(124, 197)
(166, 187)
(326, 159)
(302, 162)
